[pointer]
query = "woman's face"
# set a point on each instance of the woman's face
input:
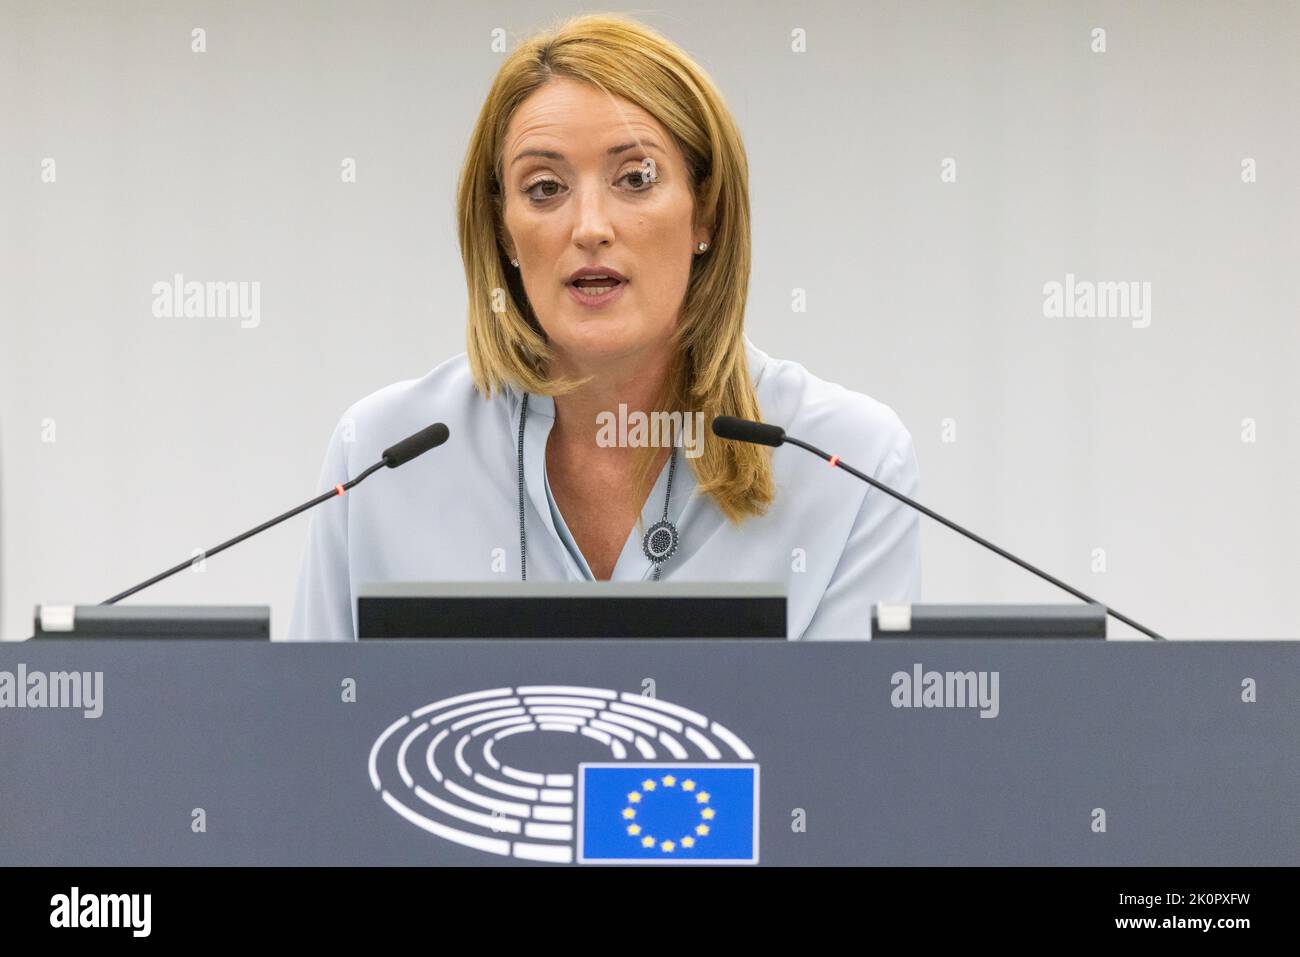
(590, 180)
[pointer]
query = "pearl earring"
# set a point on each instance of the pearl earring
(515, 263)
(702, 246)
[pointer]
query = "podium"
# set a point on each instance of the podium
(486, 752)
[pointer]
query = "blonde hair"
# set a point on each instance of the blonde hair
(710, 373)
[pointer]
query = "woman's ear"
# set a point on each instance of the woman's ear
(703, 232)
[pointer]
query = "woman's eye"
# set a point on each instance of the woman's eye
(644, 179)
(529, 189)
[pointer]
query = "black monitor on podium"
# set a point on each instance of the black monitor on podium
(646, 609)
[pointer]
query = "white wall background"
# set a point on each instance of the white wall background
(1071, 434)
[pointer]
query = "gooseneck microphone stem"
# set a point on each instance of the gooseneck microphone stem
(835, 461)
(181, 566)
(761, 433)
(396, 455)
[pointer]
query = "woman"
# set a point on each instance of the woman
(604, 224)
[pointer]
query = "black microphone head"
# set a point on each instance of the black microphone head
(743, 430)
(417, 444)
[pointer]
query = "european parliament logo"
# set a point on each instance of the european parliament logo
(504, 771)
(668, 814)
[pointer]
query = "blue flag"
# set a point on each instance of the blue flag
(668, 813)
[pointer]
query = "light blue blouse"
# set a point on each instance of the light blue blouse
(838, 545)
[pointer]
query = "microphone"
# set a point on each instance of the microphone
(760, 433)
(743, 430)
(414, 445)
(393, 456)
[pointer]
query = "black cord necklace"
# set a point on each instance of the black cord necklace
(659, 541)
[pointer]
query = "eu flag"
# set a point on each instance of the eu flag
(668, 813)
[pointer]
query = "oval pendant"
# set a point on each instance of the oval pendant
(660, 541)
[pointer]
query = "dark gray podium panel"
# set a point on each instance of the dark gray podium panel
(1154, 741)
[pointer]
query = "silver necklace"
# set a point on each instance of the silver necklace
(659, 541)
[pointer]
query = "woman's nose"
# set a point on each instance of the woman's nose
(592, 225)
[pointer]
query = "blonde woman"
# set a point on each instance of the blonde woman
(604, 224)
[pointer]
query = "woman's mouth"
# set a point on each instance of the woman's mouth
(596, 290)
